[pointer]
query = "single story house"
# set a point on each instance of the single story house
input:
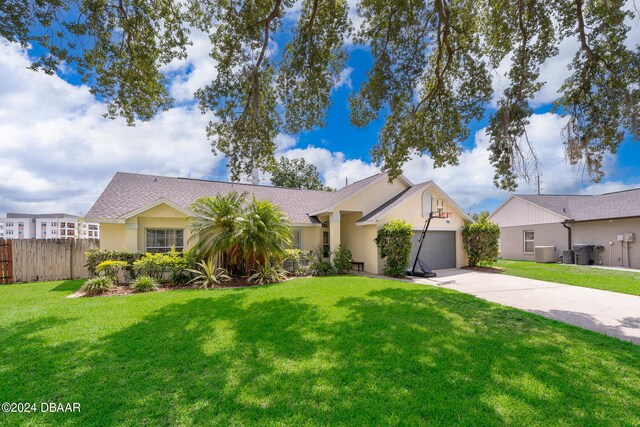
(610, 220)
(148, 213)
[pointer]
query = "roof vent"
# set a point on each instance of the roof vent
(155, 179)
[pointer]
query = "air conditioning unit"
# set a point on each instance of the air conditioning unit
(545, 254)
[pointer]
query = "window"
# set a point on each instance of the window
(426, 204)
(528, 237)
(296, 242)
(21, 224)
(9, 224)
(70, 225)
(54, 224)
(9, 232)
(54, 231)
(326, 250)
(162, 240)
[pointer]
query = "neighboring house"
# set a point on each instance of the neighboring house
(527, 221)
(48, 226)
(151, 214)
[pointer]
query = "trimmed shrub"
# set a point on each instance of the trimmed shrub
(480, 241)
(394, 242)
(110, 268)
(342, 260)
(175, 263)
(96, 256)
(144, 284)
(97, 285)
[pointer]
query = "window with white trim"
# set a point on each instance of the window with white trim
(10, 224)
(296, 241)
(163, 239)
(528, 241)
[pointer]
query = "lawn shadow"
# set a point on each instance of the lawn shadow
(69, 286)
(396, 355)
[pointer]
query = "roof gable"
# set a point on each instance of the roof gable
(621, 204)
(403, 197)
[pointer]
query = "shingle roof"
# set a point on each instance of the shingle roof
(128, 191)
(557, 204)
(391, 203)
(621, 204)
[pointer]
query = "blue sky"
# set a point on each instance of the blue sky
(58, 152)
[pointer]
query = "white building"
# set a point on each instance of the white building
(47, 226)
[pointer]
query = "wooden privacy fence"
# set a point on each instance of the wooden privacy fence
(6, 271)
(35, 260)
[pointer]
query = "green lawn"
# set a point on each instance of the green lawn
(350, 351)
(588, 277)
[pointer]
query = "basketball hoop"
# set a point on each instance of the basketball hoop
(437, 209)
(441, 214)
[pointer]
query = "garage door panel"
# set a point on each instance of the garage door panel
(438, 250)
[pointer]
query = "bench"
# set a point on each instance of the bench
(359, 265)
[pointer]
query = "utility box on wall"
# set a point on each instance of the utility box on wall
(545, 253)
(628, 237)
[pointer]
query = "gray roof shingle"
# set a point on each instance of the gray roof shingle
(621, 204)
(128, 192)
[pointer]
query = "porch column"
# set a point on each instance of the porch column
(131, 237)
(334, 232)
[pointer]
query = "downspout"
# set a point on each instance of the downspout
(564, 224)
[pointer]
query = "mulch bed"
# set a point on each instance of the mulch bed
(484, 269)
(235, 282)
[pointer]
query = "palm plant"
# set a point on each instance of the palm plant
(264, 274)
(263, 232)
(209, 275)
(214, 226)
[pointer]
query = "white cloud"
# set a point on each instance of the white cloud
(608, 187)
(58, 152)
(335, 169)
(285, 142)
(344, 79)
(197, 70)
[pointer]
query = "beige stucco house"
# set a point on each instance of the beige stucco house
(610, 221)
(151, 213)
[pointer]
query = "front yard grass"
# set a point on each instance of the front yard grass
(334, 350)
(577, 275)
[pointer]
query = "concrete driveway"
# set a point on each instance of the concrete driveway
(610, 313)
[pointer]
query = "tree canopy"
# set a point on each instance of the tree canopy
(431, 75)
(296, 173)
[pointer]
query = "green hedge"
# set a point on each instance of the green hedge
(480, 241)
(394, 242)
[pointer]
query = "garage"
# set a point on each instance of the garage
(438, 250)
